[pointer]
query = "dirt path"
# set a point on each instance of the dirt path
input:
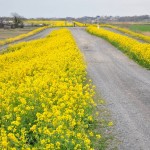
(33, 37)
(123, 84)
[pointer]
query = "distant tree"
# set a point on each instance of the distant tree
(18, 20)
(1, 22)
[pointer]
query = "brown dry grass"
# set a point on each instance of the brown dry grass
(146, 33)
(9, 33)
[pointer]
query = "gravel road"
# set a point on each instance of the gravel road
(123, 84)
(33, 37)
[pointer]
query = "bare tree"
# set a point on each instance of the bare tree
(18, 20)
(1, 22)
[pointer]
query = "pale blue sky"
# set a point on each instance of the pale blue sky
(74, 8)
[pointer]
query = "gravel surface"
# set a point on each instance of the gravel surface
(41, 34)
(123, 84)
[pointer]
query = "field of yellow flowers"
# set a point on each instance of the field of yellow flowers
(10, 40)
(140, 52)
(46, 99)
(134, 34)
(79, 24)
(57, 23)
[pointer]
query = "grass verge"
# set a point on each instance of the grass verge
(141, 27)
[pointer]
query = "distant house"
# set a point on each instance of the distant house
(1, 25)
(7, 26)
(7, 22)
(10, 25)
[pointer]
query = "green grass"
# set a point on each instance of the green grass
(140, 27)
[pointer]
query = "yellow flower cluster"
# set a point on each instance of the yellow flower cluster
(46, 100)
(79, 24)
(140, 52)
(57, 23)
(134, 34)
(9, 40)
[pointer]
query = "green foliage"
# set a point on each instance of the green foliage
(140, 27)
